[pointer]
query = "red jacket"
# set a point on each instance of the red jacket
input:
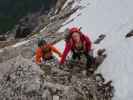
(70, 45)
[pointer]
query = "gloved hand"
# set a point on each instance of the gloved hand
(60, 63)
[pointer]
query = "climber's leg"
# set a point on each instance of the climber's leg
(90, 65)
(75, 57)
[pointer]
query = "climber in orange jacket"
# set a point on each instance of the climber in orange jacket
(45, 51)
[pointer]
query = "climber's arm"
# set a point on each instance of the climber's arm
(65, 53)
(38, 56)
(54, 49)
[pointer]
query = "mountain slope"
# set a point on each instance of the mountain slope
(113, 18)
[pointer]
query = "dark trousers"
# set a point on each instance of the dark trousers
(52, 57)
(90, 59)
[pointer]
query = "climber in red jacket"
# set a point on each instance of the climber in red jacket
(79, 45)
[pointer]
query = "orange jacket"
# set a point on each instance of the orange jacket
(39, 55)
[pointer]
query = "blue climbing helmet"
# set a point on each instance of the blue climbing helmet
(41, 42)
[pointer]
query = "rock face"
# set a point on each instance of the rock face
(33, 23)
(22, 31)
(100, 38)
(59, 5)
(49, 32)
(49, 25)
(2, 37)
(27, 81)
(130, 34)
(22, 79)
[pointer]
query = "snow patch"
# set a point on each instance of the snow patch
(21, 43)
(113, 18)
